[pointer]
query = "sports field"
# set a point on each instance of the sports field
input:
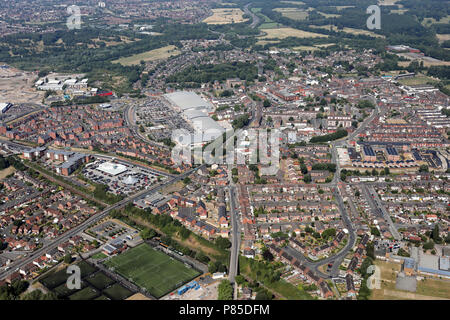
(151, 269)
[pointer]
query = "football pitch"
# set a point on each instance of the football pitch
(151, 269)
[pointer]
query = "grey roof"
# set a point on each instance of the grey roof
(186, 100)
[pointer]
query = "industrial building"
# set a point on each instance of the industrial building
(195, 111)
(112, 169)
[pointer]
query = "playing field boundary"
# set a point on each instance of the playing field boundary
(151, 269)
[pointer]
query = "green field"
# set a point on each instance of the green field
(117, 292)
(152, 55)
(153, 270)
(87, 293)
(100, 280)
(94, 285)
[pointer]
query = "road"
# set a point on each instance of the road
(378, 208)
(93, 219)
(255, 19)
(235, 237)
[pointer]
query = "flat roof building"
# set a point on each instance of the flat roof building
(112, 169)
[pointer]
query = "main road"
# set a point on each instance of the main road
(235, 237)
(14, 266)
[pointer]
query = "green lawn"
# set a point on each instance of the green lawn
(117, 292)
(87, 293)
(151, 269)
(99, 255)
(100, 280)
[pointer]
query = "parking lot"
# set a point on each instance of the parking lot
(115, 229)
(120, 179)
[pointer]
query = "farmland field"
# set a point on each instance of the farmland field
(349, 30)
(151, 269)
(152, 55)
(282, 33)
(293, 13)
(226, 16)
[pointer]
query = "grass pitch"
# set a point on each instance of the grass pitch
(153, 270)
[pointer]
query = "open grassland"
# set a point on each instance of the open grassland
(267, 23)
(427, 289)
(399, 11)
(339, 8)
(6, 172)
(329, 15)
(264, 42)
(293, 13)
(387, 2)
(153, 270)
(293, 2)
(152, 55)
(282, 33)
(443, 37)
(349, 30)
(417, 80)
(430, 21)
(305, 48)
(437, 288)
(226, 16)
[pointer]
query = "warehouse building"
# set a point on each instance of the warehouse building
(195, 111)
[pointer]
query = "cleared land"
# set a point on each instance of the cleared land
(17, 86)
(153, 270)
(226, 16)
(282, 33)
(152, 55)
(6, 172)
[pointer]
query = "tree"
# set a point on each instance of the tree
(240, 280)
(187, 180)
(428, 245)
(68, 258)
(263, 295)
(435, 235)
(223, 243)
(266, 103)
(267, 255)
(225, 290)
(375, 231)
(147, 233)
(331, 232)
(403, 253)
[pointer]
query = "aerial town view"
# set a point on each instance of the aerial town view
(200, 150)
